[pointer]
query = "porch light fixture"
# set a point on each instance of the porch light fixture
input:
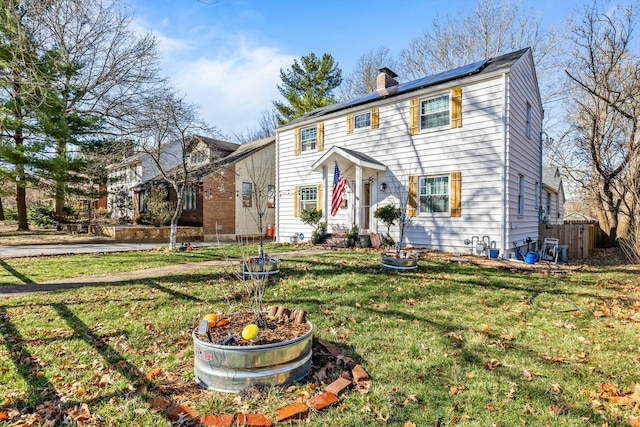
(382, 186)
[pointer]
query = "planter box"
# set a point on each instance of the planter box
(390, 261)
(231, 369)
(256, 267)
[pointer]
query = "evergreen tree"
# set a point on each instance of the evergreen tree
(307, 85)
(22, 79)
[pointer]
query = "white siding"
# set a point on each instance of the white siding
(475, 150)
(524, 154)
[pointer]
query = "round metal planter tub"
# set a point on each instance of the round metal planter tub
(256, 267)
(231, 369)
(408, 263)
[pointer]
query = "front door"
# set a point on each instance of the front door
(366, 206)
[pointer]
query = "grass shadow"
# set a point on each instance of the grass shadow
(15, 273)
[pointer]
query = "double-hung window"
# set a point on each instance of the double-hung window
(308, 138)
(246, 194)
(433, 194)
(434, 112)
(362, 121)
(189, 199)
(308, 197)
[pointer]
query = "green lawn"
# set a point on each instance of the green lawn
(16, 271)
(450, 344)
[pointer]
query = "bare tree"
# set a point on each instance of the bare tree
(362, 80)
(491, 28)
(266, 127)
(260, 172)
(601, 149)
(103, 70)
(168, 119)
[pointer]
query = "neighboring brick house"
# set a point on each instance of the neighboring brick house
(223, 193)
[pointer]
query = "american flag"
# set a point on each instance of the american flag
(339, 183)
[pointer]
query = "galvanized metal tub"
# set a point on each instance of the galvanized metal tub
(389, 261)
(231, 369)
(258, 267)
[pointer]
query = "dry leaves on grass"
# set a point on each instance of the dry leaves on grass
(613, 395)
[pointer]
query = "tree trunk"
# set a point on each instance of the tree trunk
(1, 210)
(21, 203)
(173, 235)
(61, 153)
(21, 192)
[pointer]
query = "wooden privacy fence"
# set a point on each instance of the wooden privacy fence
(580, 236)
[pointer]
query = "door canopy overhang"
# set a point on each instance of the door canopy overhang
(346, 156)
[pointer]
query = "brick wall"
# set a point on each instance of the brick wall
(218, 202)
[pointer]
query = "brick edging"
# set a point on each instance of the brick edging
(355, 376)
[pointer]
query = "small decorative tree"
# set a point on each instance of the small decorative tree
(312, 217)
(388, 214)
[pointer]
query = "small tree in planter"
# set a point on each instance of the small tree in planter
(388, 214)
(398, 260)
(312, 217)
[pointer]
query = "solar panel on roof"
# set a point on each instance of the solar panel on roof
(403, 87)
(442, 77)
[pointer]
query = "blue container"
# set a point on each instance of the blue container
(531, 258)
(493, 253)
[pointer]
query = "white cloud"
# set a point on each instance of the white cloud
(236, 87)
(231, 80)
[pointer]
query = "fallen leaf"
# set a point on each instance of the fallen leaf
(555, 410)
(527, 374)
(223, 322)
(4, 416)
(493, 364)
(490, 407)
(456, 390)
(153, 373)
(381, 419)
(363, 386)
(470, 374)
(555, 388)
(409, 424)
(410, 398)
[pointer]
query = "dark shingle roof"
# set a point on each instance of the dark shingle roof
(481, 67)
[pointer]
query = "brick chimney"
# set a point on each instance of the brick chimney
(385, 80)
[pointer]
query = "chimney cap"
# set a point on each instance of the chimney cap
(388, 72)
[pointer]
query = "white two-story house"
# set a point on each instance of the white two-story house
(460, 151)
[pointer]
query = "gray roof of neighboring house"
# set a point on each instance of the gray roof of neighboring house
(213, 143)
(218, 144)
(240, 152)
(247, 149)
(481, 67)
(551, 177)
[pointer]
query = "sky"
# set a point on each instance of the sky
(226, 55)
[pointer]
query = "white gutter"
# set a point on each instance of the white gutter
(277, 216)
(503, 233)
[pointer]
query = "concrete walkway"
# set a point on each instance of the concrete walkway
(15, 251)
(149, 273)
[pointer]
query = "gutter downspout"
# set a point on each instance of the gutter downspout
(276, 220)
(503, 232)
